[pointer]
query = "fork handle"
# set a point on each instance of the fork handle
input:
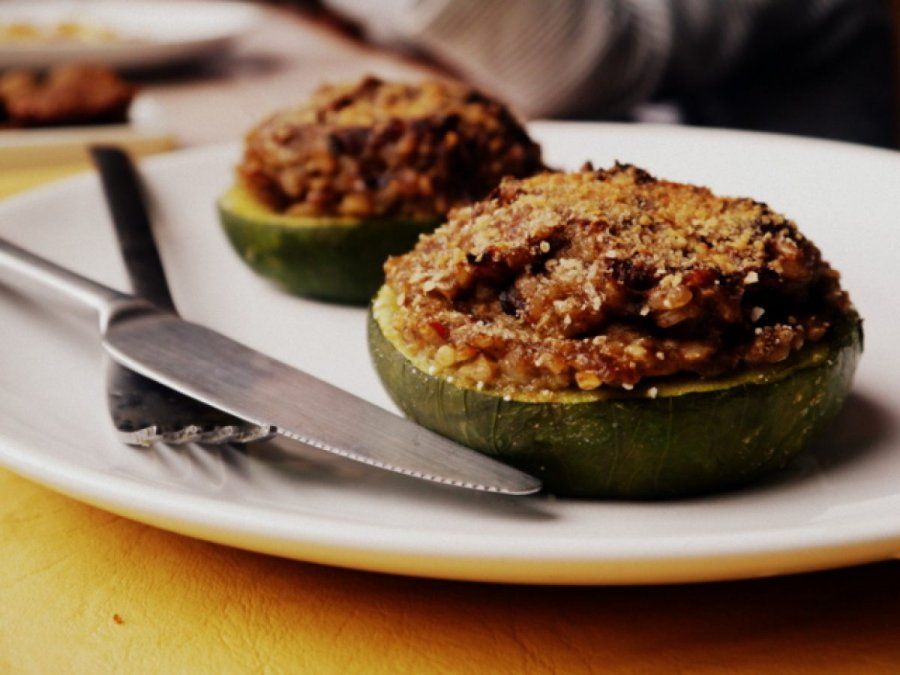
(49, 274)
(127, 207)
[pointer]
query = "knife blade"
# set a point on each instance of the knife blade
(221, 372)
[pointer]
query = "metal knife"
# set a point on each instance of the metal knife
(220, 372)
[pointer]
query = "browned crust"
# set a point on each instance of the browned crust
(376, 148)
(607, 277)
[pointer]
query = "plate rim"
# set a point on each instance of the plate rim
(388, 551)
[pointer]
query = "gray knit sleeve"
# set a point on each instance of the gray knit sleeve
(570, 57)
(549, 58)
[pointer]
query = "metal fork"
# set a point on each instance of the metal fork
(143, 411)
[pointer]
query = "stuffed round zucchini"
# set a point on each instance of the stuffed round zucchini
(618, 335)
(327, 191)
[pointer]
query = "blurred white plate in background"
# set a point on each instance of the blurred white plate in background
(146, 33)
(144, 133)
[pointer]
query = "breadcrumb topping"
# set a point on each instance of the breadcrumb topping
(376, 148)
(603, 278)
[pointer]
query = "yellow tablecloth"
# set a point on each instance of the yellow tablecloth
(14, 181)
(84, 591)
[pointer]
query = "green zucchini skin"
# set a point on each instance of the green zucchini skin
(634, 447)
(333, 259)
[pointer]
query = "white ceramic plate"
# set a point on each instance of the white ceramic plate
(151, 32)
(837, 505)
(144, 132)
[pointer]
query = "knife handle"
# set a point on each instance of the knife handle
(132, 224)
(49, 274)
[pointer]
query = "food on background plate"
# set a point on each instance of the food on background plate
(617, 335)
(328, 190)
(72, 94)
(26, 33)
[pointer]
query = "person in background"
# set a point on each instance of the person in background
(812, 67)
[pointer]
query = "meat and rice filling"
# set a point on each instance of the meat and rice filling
(386, 149)
(603, 278)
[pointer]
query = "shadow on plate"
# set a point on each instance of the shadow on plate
(55, 312)
(859, 431)
(859, 428)
(279, 467)
(246, 64)
(309, 465)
